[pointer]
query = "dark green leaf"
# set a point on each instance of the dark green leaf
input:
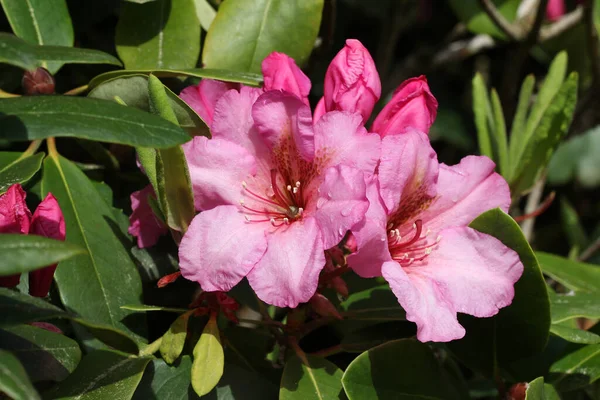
(247, 78)
(174, 339)
(109, 335)
(8, 157)
(471, 13)
(577, 369)
(40, 117)
(24, 253)
(159, 34)
(519, 330)
(209, 359)
(102, 374)
(363, 339)
(20, 171)
(577, 305)
(165, 382)
(401, 369)
(517, 131)
(13, 379)
(576, 235)
(95, 285)
(46, 356)
(145, 308)
(24, 55)
(574, 335)
(133, 90)
(483, 115)
(245, 32)
(41, 22)
(310, 377)
(18, 308)
(500, 133)
(575, 275)
(577, 159)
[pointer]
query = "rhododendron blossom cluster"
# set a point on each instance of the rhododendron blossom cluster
(278, 188)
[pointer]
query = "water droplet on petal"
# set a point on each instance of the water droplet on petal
(346, 211)
(329, 194)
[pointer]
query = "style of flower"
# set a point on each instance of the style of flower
(143, 222)
(47, 220)
(275, 193)
(416, 236)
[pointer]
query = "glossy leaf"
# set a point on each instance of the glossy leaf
(477, 21)
(483, 116)
(245, 32)
(18, 308)
(577, 369)
(165, 382)
(205, 13)
(517, 131)
(22, 54)
(310, 377)
(95, 285)
(45, 355)
(41, 22)
(40, 117)
(158, 34)
(14, 381)
(378, 374)
(209, 359)
(102, 374)
(19, 171)
(538, 390)
(575, 275)
(500, 133)
(109, 335)
(574, 335)
(8, 157)
(24, 253)
(519, 330)
(174, 339)
(133, 90)
(247, 78)
(577, 305)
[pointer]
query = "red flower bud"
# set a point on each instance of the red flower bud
(322, 306)
(38, 81)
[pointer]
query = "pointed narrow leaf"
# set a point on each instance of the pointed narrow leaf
(14, 381)
(572, 225)
(206, 14)
(482, 111)
(158, 34)
(41, 22)
(209, 359)
(261, 26)
(174, 339)
(575, 275)
(20, 171)
(574, 335)
(145, 308)
(95, 285)
(517, 131)
(18, 308)
(500, 133)
(310, 377)
(24, 253)
(577, 369)
(40, 117)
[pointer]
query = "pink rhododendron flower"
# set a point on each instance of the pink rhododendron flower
(555, 9)
(416, 236)
(275, 193)
(280, 72)
(203, 97)
(47, 221)
(412, 107)
(143, 223)
(351, 82)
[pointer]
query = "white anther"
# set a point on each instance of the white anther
(398, 234)
(295, 190)
(414, 225)
(427, 232)
(405, 255)
(272, 220)
(247, 219)
(289, 188)
(437, 240)
(244, 184)
(286, 221)
(392, 233)
(298, 184)
(428, 251)
(242, 202)
(300, 211)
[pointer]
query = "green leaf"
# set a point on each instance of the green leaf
(574, 335)
(19, 53)
(174, 339)
(20, 171)
(578, 305)
(46, 356)
(500, 133)
(399, 369)
(158, 34)
(24, 253)
(205, 13)
(575, 275)
(8, 157)
(41, 22)
(483, 114)
(165, 382)
(577, 159)
(310, 377)
(246, 78)
(145, 308)
(95, 285)
(209, 359)
(40, 117)
(471, 13)
(102, 374)
(133, 90)
(109, 335)
(577, 369)
(544, 140)
(517, 131)
(538, 390)
(13, 379)
(576, 235)
(519, 330)
(245, 32)
(362, 339)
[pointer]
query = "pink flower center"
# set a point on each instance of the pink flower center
(281, 204)
(414, 248)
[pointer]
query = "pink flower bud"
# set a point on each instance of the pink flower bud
(203, 97)
(351, 245)
(412, 106)
(322, 306)
(47, 221)
(555, 9)
(47, 326)
(352, 82)
(143, 223)
(281, 73)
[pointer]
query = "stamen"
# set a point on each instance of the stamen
(295, 190)
(241, 202)
(286, 221)
(272, 220)
(289, 188)
(297, 184)
(300, 211)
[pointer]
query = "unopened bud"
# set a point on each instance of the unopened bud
(38, 81)
(518, 391)
(322, 306)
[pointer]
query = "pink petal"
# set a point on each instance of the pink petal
(408, 172)
(465, 191)
(203, 97)
(15, 217)
(370, 236)
(412, 107)
(279, 117)
(340, 204)
(555, 9)
(220, 248)
(341, 137)
(288, 273)
(143, 223)
(217, 169)
(351, 81)
(319, 110)
(469, 272)
(281, 73)
(47, 221)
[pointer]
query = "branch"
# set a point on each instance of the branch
(587, 253)
(588, 13)
(510, 30)
(567, 22)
